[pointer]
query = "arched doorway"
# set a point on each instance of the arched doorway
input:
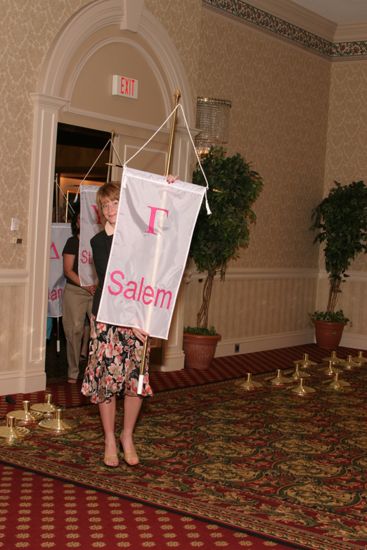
(87, 48)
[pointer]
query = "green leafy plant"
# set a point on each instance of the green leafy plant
(340, 221)
(330, 316)
(217, 239)
(201, 331)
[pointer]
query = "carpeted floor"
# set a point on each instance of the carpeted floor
(222, 368)
(40, 512)
(268, 462)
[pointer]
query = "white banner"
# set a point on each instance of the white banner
(89, 226)
(150, 246)
(60, 232)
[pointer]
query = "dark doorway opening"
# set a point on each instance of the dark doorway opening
(80, 152)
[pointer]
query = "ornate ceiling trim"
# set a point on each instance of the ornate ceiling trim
(284, 29)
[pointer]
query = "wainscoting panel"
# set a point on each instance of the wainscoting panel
(12, 299)
(257, 309)
(18, 373)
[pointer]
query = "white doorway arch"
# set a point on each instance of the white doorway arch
(54, 95)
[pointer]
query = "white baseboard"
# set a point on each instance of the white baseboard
(17, 382)
(356, 341)
(172, 361)
(264, 342)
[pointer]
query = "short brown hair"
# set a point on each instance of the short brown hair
(110, 190)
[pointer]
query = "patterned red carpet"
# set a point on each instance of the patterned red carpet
(39, 512)
(270, 462)
(223, 368)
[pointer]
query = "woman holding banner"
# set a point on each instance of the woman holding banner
(115, 352)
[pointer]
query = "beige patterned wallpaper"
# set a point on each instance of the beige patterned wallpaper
(26, 32)
(346, 153)
(182, 20)
(279, 96)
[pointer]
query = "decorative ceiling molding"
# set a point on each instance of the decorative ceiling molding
(298, 15)
(281, 22)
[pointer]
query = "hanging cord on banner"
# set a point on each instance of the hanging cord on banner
(193, 145)
(65, 200)
(93, 165)
(208, 211)
(117, 155)
(110, 141)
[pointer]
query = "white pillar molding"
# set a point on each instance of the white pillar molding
(173, 357)
(45, 120)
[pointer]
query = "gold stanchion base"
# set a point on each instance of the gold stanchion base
(56, 425)
(330, 370)
(359, 359)
(303, 390)
(280, 379)
(297, 375)
(305, 362)
(23, 418)
(44, 408)
(249, 384)
(9, 434)
(348, 363)
(333, 358)
(338, 385)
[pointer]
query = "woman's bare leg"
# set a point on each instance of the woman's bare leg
(132, 406)
(107, 411)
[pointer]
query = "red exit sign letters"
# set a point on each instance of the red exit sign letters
(124, 86)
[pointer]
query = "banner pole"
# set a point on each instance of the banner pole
(110, 158)
(57, 216)
(142, 366)
(177, 96)
(172, 133)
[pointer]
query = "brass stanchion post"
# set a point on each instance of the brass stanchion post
(172, 133)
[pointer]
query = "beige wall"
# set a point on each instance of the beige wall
(279, 95)
(346, 161)
(27, 31)
(299, 118)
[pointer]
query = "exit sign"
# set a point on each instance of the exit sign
(124, 86)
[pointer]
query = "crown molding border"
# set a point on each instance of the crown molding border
(338, 45)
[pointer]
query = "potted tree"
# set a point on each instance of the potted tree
(217, 238)
(340, 221)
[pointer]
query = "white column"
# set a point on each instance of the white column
(45, 120)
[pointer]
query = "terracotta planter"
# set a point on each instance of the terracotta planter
(328, 334)
(199, 350)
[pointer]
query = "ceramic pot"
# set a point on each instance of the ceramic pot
(199, 350)
(328, 334)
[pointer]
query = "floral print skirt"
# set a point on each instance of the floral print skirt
(113, 368)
